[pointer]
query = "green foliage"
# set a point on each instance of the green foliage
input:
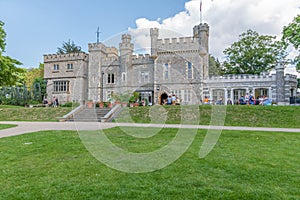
(68, 47)
(253, 54)
(32, 74)
(214, 66)
(291, 35)
(5, 126)
(20, 95)
(257, 116)
(243, 165)
(17, 113)
(39, 89)
(10, 74)
(2, 38)
(70, 104)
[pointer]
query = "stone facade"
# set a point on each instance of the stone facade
(176, 66)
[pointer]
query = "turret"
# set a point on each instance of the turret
(126, 51)
(154, 36)
(201, 31)
(126, 47)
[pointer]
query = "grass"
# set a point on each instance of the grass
(243, 165)
(252, 116)
(17, 113)
(5, 126)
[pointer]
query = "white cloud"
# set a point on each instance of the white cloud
(227, 20)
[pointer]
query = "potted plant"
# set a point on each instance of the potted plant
(125, 99)
(101, 104)
(89, 104)
(131, 101)
(116, 98)
(136, 98)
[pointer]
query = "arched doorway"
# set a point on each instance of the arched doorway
(163, 96)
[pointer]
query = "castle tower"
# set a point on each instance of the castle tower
(96, 52)
(126, 51)
(154, 36)
(201, 32)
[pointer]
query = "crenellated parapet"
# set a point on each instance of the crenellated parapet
(176, 44)
(141, 59)
(97, 47)
(66, 57)
(112, 52)
(263, 77)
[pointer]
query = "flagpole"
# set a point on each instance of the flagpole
(200, 11)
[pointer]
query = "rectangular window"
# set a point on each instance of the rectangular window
(110, 78)
(70, 66)
(166, 70)
(189, 70)
(187, 95)
(124, 76)
(55, 67)
(61, 86)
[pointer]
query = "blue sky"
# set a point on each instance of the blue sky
(38, 27)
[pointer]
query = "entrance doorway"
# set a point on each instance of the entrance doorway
(163, 98)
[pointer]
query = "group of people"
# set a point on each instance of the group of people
(251, 100)
(247, 100)
(53, 103)
(172, 100)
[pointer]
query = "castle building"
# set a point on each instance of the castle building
(175, 66)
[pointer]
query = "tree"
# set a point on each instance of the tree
(33, 74)
(10, 74)
(214, 66)
(68, 47)
(253, 54)
(291, 35)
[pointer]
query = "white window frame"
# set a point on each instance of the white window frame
(56, 67)
(189, 72)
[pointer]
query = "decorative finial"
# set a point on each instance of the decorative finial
(98, 35)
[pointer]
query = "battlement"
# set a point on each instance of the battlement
(263, 77)
(175, 44)
(112, 52)
(141, 58)
(154, 31)
(97, 47)
(242, 77)
(66, 57)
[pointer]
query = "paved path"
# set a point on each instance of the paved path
(29, 127)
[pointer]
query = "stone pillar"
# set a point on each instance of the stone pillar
(232, 96)
(270, 93)
(226, 95)
(280, 89)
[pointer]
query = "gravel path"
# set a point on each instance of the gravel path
(29, 127)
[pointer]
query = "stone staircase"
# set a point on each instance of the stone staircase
(89, 115)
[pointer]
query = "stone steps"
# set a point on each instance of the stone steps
(90, 115)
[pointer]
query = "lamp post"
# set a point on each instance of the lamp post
(102, 87)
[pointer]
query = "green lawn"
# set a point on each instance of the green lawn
(4, 126)
(17, 113)
(243, 165)
(253, 116)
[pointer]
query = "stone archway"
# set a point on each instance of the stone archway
(162, 97)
